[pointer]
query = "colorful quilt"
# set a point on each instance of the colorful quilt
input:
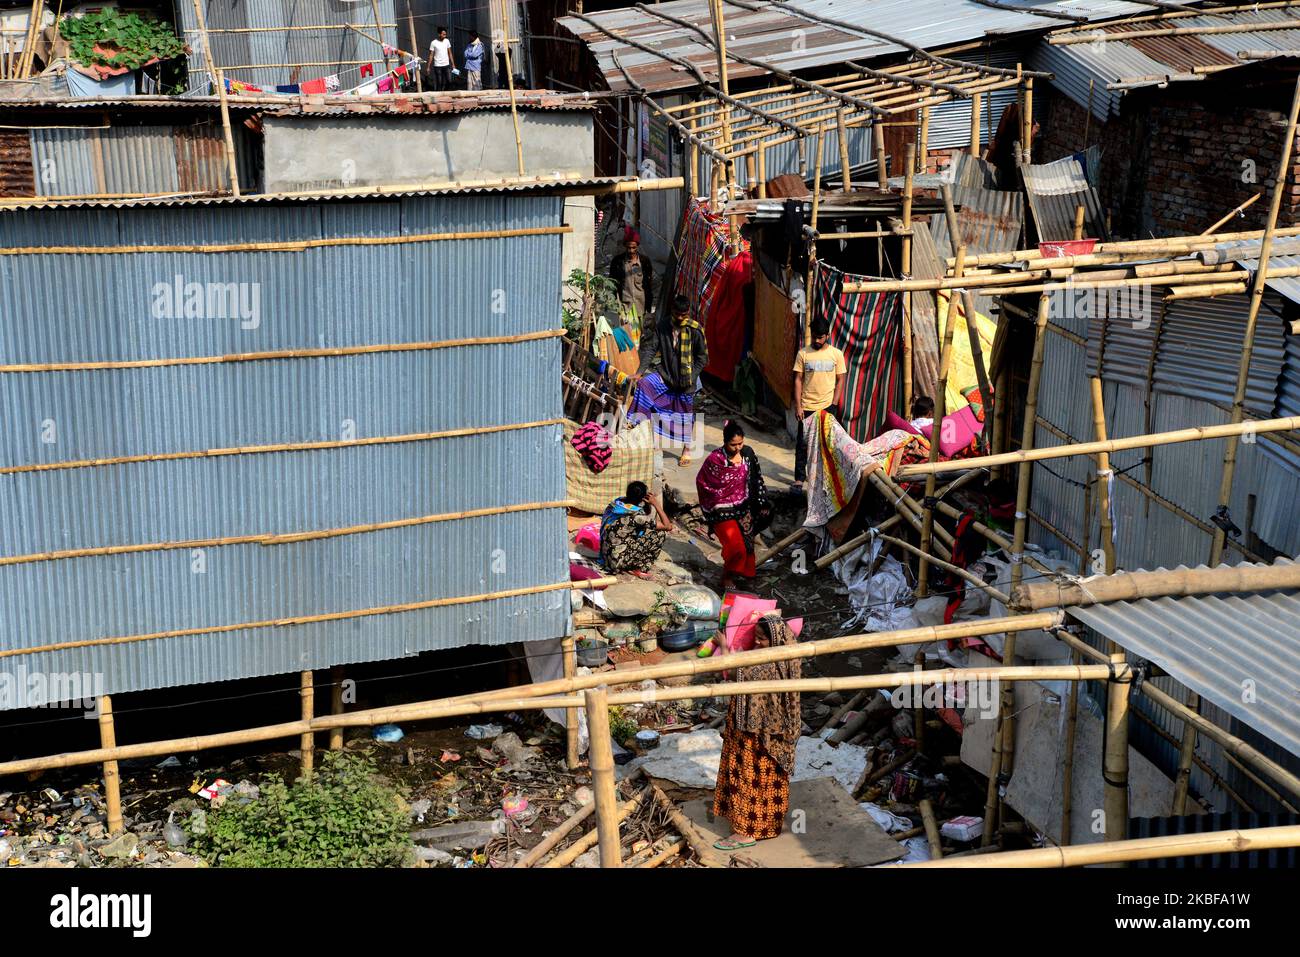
(868, 328)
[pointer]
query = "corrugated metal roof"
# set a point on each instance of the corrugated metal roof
(1055, 191)
(1287, 286)
(270, 198)
(1240, 651)
(73, 307)
(796, 43)
(1157, 60)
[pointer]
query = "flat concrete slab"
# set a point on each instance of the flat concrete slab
(825, 828)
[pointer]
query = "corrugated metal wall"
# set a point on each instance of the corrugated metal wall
(121, 160)
(79, 308)
(1194, 377)
(260, 57)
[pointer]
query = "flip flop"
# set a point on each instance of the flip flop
(725, 845)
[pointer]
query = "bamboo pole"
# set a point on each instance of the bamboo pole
(931, 828)
(1235, 212)
(202, 24)
(293, 246)
(912, 514)
(907, 271)
(379, 29)
(1067, 771)
(271, 539)
(1179, 582)
(923, 154)
(283, 354)
(1079, 213)
(112, 777)
(845, 166)
(853, 544)
(949, 567)
(510, 82)
(1028, 140)
(700, 844)
(1003, 734)
(1281, 187)
(1104, 477)
(284, 447)
(762, 172)
(572, 757)
(665, 855)
(308, 739)
(415, 44)
(1194, 434)
(1115, 759)
(780, 546)
(602, 776)
(34, 18)
(882, 164)
(552, 840)
(975, 104)
(336, 705)
(1141, 849)
(589, 840)
(232, 168)
(509, 699)
(1186, 752)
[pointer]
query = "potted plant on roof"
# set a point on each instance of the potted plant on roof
(108, 46)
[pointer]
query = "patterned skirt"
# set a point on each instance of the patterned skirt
(753, 793)
(630, 543)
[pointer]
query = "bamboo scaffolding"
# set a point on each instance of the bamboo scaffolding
(1282, 185)
(602, 776)
(1067, 761)
(285, 447)
(1105, 475)
(1194, 434)
(283, 538)
(1115, 758)
(285, 354)
(572, 757)
(536, 694)
(882, 161)
(1129, 36)
(1141, 849)
(936, 434)
(301, 619)
(232, 167)
(949, 567)
(282, 247)
(1003, 734)
(843, 138)
(1179, 582)
(853, 544)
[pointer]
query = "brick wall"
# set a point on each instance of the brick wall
(1172, 164)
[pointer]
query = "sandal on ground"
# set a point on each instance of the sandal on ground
(726, 845)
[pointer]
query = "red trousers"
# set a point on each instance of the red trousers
(736, 558)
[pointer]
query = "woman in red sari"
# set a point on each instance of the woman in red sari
(734, 501)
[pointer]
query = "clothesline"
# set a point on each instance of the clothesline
(330, 84)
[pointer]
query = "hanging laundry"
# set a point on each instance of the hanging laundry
(367, 69)
(389, 50)
(366, 89)
(314, 86)
(386, 84)
(332, 83)
(402, 71)
(293, 89)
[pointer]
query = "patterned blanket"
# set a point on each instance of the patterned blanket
(632, 459)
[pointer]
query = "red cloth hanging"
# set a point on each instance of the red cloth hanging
(724, 326)
(367, 69)
(314, 86)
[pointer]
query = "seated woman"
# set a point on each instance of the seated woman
(734, 501)
(631, 535)
(758, 745)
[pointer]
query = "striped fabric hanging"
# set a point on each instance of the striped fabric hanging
(868, 328)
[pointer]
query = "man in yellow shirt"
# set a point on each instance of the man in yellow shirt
(819, 373)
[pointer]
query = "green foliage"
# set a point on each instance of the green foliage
(130, 39)
(587, 294)
(344, 816)
(621, 726)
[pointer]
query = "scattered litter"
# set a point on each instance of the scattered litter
(481, 732)
(514, 751)
(420, 808)
(449, 756)
(172, 762)
(388, 733)
(173, 833)
(964, 828)
(918, 849)
(891, 822)
(213, 789)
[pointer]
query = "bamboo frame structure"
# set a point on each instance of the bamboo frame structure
(572, 757)
(232, 167)
(1140, 849)
(1179, 582)
(1003, 733)
(936, 433)
(336, 705)
(1282, 185)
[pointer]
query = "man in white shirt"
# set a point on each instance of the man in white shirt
(441, 62)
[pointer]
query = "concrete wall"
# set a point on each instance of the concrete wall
(307, 152)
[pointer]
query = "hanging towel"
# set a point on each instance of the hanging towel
(314, 86)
